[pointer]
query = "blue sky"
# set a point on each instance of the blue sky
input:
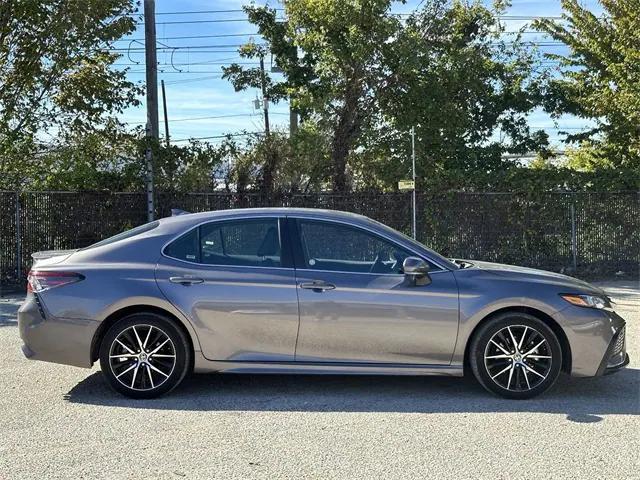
(195, 92)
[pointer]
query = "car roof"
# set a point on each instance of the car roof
(186, 218)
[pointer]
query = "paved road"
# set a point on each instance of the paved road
(63, 422)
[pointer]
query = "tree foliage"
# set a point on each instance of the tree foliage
(328, 52)
(56, 74)
(467, 91)
(359, 76)
(364, 77)
(600, 78)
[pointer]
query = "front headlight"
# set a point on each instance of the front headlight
(589, 301)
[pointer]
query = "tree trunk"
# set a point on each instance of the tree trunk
(346, 130)
(268, 170)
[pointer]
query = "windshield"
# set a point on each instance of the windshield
(126, 234)
(435, 255)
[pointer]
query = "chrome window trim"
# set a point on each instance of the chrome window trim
(228, 219)
(379, 234)
(364, 273)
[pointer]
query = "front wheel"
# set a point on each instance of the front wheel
(144, 355)
(515, 355)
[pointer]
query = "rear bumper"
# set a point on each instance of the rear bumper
(57, 340)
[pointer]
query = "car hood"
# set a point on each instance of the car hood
(570, 284)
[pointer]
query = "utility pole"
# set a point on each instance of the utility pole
(151, 64)
(293, 121)
(413, 194)
(265, 99)
(166, 117)
(293, 115)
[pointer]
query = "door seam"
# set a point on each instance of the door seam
(295, 279)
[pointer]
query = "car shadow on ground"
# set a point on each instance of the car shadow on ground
(582, 400)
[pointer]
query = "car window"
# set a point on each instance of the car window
(185, 247)
(253, 243)
(124, 235)
(336, 247)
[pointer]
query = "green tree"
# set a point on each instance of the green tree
(466, 88)
(105, 159)
(194, 167)
(600, 79)
(243, 78)
(328, 52)
(56, 73)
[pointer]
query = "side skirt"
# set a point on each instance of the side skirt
(203, 365)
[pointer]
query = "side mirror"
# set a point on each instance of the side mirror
(416, 270)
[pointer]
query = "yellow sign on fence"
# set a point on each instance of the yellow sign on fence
(406, 185)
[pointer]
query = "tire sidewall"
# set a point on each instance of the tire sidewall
(183, 353)
(487, 331)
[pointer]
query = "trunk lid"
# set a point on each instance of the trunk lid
(47, 258)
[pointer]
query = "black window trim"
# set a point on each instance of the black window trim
(286, 259)
(299, 258)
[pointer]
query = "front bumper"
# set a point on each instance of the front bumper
(596, 340)
(51, 339)
(616, 356)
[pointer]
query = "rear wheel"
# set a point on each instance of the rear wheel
(144, 355)
(515, 355)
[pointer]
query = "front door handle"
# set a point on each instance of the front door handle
(317, 286)
(186, 280)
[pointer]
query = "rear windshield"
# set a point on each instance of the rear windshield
(124, 235)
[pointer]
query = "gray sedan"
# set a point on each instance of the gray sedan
(308, 291)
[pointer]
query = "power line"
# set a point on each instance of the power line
(212, 117)
(191, 37)
(238, 45)
(212, 62)
(237, 10)
(228, 20)
(197, 12)
(217, 20)
(503, 17)
(227, 35)
(177, 72)
(190, 80)
(182, 47)
(219, 136)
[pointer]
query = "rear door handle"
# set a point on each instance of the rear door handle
(317, 286)
(186, 280)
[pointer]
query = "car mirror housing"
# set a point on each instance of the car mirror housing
(416, 270)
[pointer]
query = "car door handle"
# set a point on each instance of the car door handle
(186, 280)
(317, 286)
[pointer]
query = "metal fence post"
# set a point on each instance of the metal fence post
(574, 239)
(18, 239)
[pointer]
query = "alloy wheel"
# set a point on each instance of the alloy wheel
(518, 358)
(142, 357)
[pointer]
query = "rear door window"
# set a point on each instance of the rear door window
(247, 243)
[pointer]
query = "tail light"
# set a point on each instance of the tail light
(39, 281)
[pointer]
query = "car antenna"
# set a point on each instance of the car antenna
(175, 212)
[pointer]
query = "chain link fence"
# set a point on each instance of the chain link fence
(584, 234)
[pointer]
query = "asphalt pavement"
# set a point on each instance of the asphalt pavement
(64, 422)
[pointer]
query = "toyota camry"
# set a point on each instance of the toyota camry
(284, 290)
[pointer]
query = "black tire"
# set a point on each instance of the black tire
(521, 378)
(134, 376)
